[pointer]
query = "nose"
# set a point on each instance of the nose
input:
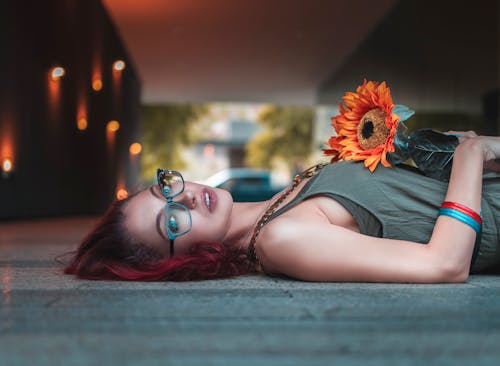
(188, 198)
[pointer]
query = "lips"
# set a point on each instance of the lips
(209, 199)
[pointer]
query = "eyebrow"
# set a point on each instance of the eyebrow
(158, 226)
(158, 216)
(152, 190)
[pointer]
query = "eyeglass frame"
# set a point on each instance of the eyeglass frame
(170, 203)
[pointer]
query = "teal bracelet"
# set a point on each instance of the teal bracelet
(461, 217)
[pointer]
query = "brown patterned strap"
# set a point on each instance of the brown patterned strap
(251, 253)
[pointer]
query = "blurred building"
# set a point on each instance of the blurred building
(69, 109)
(223, 147)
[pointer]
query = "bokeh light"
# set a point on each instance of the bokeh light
(97, 84)
(82, 124)
(119, 65)
(113, 126)
(121, 194)
(135, 148)
(57, 73)
(7, 165)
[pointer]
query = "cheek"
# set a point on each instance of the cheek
(209, 228)
(212, 228)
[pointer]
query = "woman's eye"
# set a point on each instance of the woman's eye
(172, 224)
(166, 190)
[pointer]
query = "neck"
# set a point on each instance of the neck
(244, 216)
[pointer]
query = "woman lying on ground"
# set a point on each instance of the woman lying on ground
(338, 222)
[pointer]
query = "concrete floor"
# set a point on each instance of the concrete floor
(50, 319)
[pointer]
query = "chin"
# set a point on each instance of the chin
(224, 196)
(225, 202)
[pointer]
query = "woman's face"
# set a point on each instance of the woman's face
(210, 210)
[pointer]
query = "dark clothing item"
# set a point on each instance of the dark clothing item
(401, 203)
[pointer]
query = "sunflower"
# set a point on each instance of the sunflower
(365, 127)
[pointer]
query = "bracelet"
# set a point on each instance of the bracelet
(464, 209)
(461, 213)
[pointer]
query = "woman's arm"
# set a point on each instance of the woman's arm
(319, 251)
(452, 240)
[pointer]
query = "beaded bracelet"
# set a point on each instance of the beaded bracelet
(462, 213)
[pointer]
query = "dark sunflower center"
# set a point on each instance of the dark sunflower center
(367, 130)
(372, 131)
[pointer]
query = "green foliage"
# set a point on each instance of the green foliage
(167, 129)
(287, 137)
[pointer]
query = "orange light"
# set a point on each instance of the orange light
(96, 69)
(57, 72)
(7, 138)
(81, 111)
(82, 124)
(7, 165)
(119, 65)
(135, 148)
(113, 126)
(97, 84)
(121, 194)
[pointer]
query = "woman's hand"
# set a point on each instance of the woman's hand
(491, 153)
(490, 146)
(462, 135)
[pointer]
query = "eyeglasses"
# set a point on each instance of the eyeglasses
(177, 218)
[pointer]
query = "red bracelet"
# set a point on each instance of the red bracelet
(464, 209)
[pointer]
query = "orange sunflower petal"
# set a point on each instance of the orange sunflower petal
(345, 145)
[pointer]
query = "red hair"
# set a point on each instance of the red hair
(110, 253)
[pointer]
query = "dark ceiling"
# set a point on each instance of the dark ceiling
(241, 50)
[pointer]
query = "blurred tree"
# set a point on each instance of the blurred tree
(287, 137)
(166, 130)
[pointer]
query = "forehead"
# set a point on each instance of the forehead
(142, 208)
(141, 215)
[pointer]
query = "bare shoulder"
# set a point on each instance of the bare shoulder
(281, 236)
(285, 232)
(279, 231)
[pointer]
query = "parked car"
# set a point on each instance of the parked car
(245, 184)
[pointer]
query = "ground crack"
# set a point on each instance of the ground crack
(48, 304)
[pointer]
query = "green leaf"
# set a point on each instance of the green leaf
(432, 152)
(403, 112)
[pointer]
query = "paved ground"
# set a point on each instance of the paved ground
(50, 319)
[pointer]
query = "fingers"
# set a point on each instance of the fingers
(491, 148)
(470, 134)
(463, 134)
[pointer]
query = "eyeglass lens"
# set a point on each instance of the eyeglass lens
(177, 219)
(170, 184)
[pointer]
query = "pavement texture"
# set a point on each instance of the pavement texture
(47, 318)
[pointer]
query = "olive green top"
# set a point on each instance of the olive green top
(401, 203)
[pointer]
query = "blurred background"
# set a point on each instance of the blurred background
(95, 95)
